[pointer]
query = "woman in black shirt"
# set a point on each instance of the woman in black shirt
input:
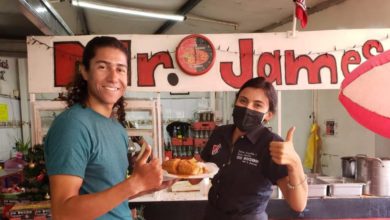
(251, 159)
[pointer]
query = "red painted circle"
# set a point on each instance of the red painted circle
(195, 54)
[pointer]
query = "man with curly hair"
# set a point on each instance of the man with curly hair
(86, 146)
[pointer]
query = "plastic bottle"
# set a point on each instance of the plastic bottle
(169, 146)
(179, 132)
(174, 152)
(197, 153)
(174, 133)
(15, 163)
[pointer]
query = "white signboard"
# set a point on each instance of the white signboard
(215, 62)
(8, 75)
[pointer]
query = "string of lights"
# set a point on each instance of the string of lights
(220, 49)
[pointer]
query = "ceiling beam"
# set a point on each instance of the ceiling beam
(319, 7)
(13, 48)
(83, 21)
(44, 17)
(184, 9)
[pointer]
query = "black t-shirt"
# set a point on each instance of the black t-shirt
(243, 184)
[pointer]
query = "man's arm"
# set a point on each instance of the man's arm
(68, 204)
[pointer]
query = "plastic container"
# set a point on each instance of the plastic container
(15, 163)
(316, 187)
(343, 187)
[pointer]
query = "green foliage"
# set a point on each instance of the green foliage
(36, 154)
(36, 181)
(22, 147)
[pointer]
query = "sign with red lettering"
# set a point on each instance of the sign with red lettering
(311, 60)
(67, 59)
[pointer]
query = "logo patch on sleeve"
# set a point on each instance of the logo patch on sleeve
(215, 149)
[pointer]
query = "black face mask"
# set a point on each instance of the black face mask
(246, 119)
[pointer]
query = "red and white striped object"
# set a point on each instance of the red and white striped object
(365, 94)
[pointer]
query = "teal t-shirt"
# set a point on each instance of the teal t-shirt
(83, 143)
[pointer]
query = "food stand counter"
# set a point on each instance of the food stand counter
(191, 206)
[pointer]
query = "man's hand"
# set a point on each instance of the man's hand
(149, 175)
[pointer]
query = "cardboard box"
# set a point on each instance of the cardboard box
(30, 211)
(182, 141)
(176, 141)
(187, 141)
(200, 142)
(168, 154)
(203, 125)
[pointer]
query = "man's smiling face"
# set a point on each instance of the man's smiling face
(106, 77)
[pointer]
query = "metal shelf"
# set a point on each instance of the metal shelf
(139, 132)
(37, 107)
(152, 106)
(11, 124)
(9, 97)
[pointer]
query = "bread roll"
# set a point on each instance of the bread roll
(183, 166)
(187, 167)
(171, 165)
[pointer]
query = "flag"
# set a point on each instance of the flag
(300, 12)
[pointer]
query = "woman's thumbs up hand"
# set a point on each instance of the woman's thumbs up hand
(283, 152)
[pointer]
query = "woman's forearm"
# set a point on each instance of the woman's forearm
(296, 189)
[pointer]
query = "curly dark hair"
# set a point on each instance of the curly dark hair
(77, 91)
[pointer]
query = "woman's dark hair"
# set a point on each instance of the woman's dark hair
(78, 89)
(262, 83)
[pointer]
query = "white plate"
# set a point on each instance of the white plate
(211, 168)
